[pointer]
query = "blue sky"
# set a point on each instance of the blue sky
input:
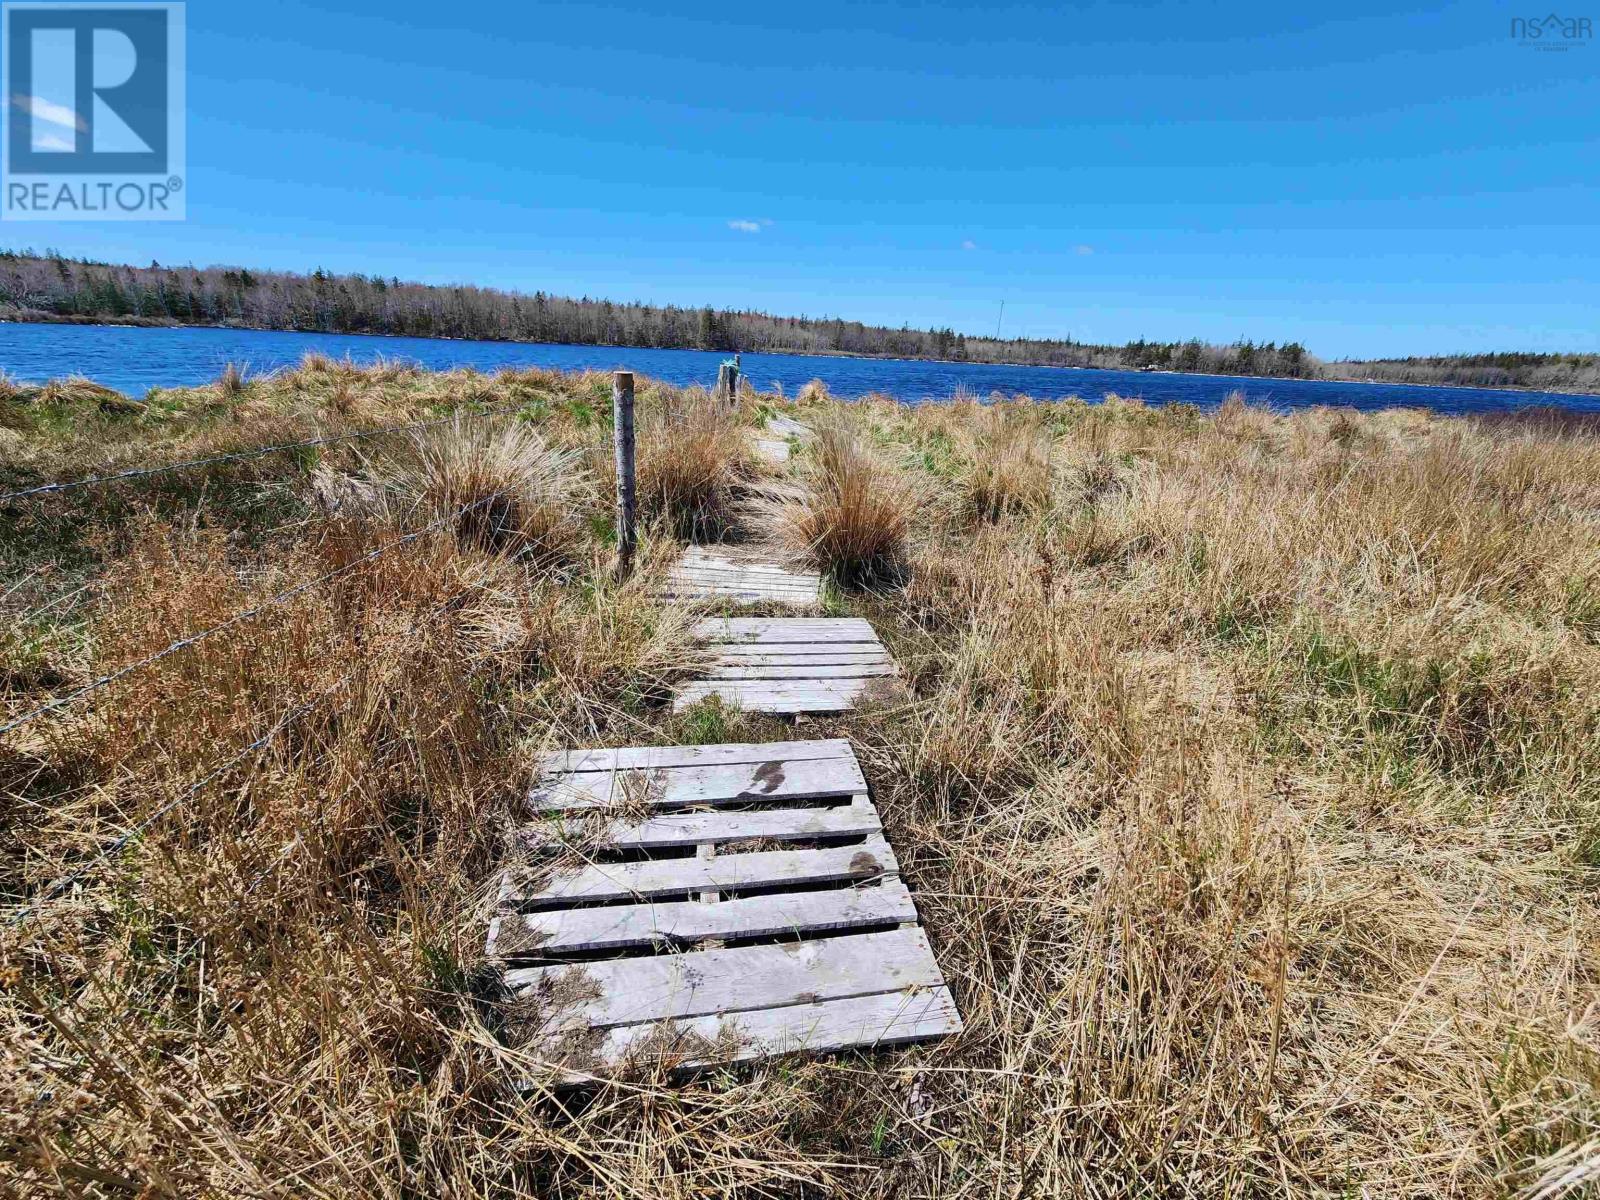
(1366, 179)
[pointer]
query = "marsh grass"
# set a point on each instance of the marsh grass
(232, 380)
(511, 490)
(851, 514)
(1008, 469)
(1248, 783)
(693, 459)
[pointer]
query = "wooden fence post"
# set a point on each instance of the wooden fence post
(728, 381)
(627, 497)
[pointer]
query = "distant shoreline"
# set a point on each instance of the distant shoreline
(132, 322)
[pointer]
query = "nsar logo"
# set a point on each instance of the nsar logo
(1552, 32)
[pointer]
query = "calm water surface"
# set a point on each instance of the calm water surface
(135, 360)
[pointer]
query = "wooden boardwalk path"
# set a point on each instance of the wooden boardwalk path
(790, 665)
(733, 573)
(747, 574)
(774, 446)
(705, 905)
(764, 866)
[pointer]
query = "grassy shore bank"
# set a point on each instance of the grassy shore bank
(1249, 788)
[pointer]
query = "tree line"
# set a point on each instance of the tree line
(53, 287)
(1543, 372)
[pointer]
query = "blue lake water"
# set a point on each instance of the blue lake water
(135, 360)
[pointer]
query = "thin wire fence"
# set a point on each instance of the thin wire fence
(115, 846)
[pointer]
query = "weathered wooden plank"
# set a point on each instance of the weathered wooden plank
(761, 630)
(720, 650)
(739, 595)
(736, 594)
(715, 574)
(774, 575)
(883, 1019)
(704, 574)
(787, 427)
(730, 587)
(624, 926)
(857, 1022)
(708, 564)
(808, 671)
(708, 579)
(682, 589)
(777, 695)
(716, 632)
(757, 624)
(697, 557)
(799, 655)
(740, 579)
(632, 991)
(627, 758)
(731, 872)
(711, 783)
(694, 828)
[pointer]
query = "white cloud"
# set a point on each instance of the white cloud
(1084, 251)
(969, 244)
(51, 141)
(55, 114)
(748, 226)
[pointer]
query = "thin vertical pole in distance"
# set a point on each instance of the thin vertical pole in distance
(627, 497)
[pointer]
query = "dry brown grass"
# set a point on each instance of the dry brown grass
(812, 392)
(514, 492)
(1259, 785)
(231, 382)
(693, 455)
(1249, 787)
(851, 514)
(1008, 469)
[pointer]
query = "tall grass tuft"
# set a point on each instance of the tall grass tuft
(692, 457)
(813, 391)
(1008, 471)
(232, 380)
(515, 492)
(852, 514)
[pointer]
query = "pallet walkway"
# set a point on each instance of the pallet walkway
(724, 573)
(775, 447)
(790, 665)
(763, 866)
(708, 905)
(740, 573)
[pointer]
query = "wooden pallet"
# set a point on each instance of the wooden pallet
(787, 427)
(775, 448)
(707, 574)
(789, 665)
(763, 866)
